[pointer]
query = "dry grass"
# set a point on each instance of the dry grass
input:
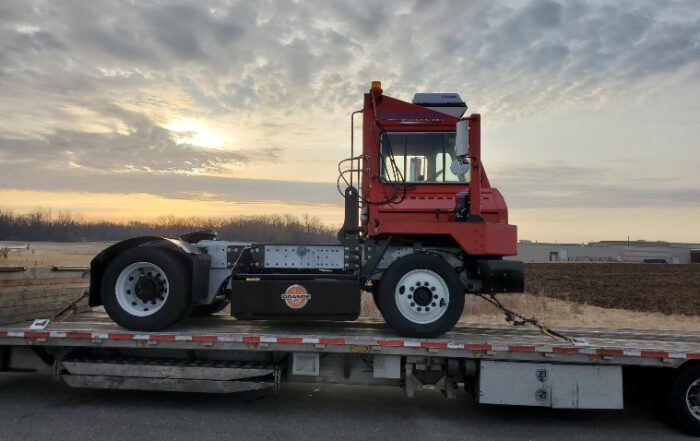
(48, 254)
(561, 313)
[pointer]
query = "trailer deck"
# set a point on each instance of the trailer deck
(610, 346)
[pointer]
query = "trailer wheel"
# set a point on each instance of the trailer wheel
(421, 296)
(146, 288)
(685, 399)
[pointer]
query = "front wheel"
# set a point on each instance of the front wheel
(421, 296)
(146, 288)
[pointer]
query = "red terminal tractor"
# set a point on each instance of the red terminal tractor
(423, 228)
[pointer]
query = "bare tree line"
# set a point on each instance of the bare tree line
(41, 225)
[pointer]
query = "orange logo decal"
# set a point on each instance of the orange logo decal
(296, 296)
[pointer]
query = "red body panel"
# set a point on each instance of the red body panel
(427, 209)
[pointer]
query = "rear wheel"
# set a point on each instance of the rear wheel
(421, 296)
(685, 399)
(146, 288)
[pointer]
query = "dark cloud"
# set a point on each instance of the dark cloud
(32, 177)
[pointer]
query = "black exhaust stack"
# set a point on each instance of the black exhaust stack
(349, 234)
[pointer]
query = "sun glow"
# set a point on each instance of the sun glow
(191, 131)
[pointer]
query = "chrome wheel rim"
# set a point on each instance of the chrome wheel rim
(692, 399)
(142, 289)
(422, 296)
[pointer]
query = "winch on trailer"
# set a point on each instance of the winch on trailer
(423, 227)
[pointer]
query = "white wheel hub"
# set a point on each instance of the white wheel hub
(142, 289)
(422, 296)
(692, 399)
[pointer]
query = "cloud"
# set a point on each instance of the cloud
(565, 186)
(290, 73)
(144, 146)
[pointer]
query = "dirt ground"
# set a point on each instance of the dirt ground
(612, 295)
(670, 289)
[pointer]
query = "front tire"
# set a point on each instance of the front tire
(421, 296)
(146, 288)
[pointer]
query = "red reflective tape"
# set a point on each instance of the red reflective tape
(77, 334)
(513, 348)
(30, 334)
(115, 336)
(433, 344)
(162, 337)
(205, 338)
(692, 356)
(290, 340)
(392, 343)
(654, 354)
(3, 333)
(610, 351)
(251, 339)
(477, 347)
(331, 341)
(565, 350)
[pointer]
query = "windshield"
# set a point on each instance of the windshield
(420, 157)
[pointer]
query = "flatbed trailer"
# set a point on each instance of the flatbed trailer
(501, 365)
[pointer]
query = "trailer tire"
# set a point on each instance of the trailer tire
(421, 295)
(685, 399)
(146, 288)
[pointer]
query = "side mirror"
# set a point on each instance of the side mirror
(460, 165)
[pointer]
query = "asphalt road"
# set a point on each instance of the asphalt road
(35, 407)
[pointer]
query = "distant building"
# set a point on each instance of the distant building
(609, 251)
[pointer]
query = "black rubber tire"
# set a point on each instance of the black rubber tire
(206, 310)
(179, 281)
(375, 296)
(387, 300)
(682, 382)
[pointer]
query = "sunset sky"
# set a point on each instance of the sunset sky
(133, 110)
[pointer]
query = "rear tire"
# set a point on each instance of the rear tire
(421, 296)
(685, 399)
(146, 288)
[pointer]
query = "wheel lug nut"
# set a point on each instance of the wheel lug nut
(427, 309)
(435, 296)
(426, 283)
(412, 288)
(410, 296)
(417, 283)
(420, 309)
(434, 304)
(413, 304)
(432, 288)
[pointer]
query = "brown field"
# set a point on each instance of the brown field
(670, 289)
(612, 295)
